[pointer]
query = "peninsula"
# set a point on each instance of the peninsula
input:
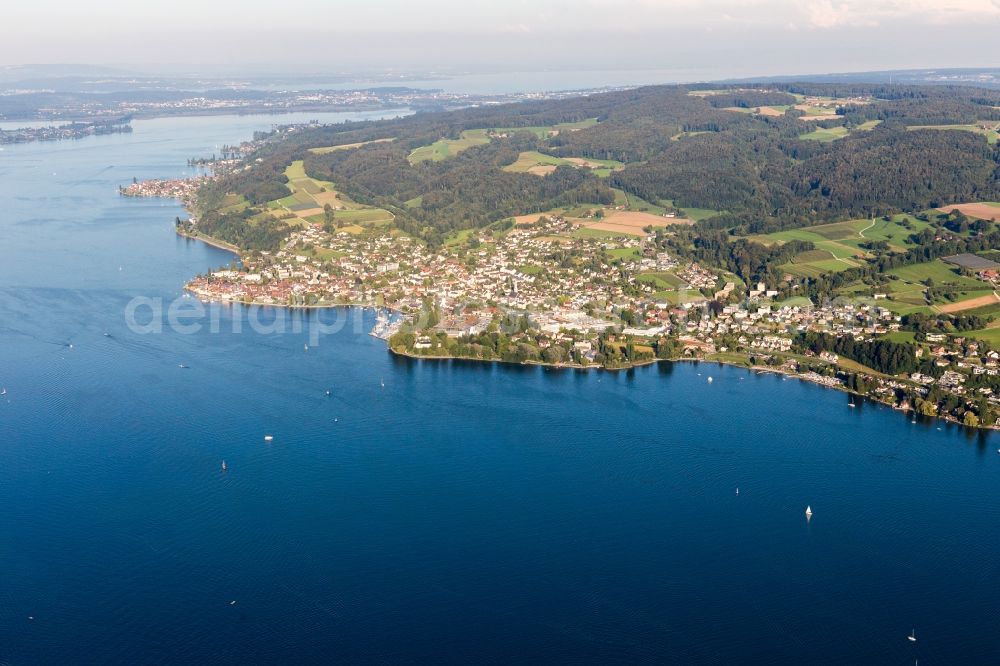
(842, 233)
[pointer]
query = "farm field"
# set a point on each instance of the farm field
(826, 134)
(632, 222)
(323, 150)
(775, 110)
(545, 131)
(974, 303)
(941, 273)
(953, 292)
(984, 211)
(309, 196)
(445, 148)
(540, 164)
(990, 335)
(838, 245)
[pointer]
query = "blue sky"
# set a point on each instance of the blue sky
(718, 37)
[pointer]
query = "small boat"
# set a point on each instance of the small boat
(224, 468)
(737, 490)
(851, 404)
(3, 391)
(268, 438)
(305, 347)
(233, 602)
(709, 379)
(328, 392)
(382, 382)
(182, 366)
(912, 637)
(809, 512)
(107, 335)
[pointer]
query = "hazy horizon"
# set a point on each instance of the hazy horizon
(698, 40)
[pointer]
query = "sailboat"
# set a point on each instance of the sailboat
(809, 512)
(912, 637)
(224, 466)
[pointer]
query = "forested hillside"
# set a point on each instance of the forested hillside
(744, 153)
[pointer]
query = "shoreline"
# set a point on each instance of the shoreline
(754, 369)
(588, 368)
(568, 366)
(209, 240)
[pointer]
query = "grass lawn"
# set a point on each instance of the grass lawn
(794, 301)
(624, 253)
(900, 336)
(991, 335)
(661, 280)
(854, 366)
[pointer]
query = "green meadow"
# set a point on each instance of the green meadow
(532, 158)
(445, 148)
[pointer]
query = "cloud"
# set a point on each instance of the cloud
(867, 13)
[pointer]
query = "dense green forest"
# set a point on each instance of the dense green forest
(700, 151)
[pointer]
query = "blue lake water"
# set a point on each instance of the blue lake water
(461, 513)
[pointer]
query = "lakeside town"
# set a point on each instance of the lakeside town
(544, 295)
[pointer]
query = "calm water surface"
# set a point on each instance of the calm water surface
(462, 513)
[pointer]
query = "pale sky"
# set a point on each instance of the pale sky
(720, 37)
